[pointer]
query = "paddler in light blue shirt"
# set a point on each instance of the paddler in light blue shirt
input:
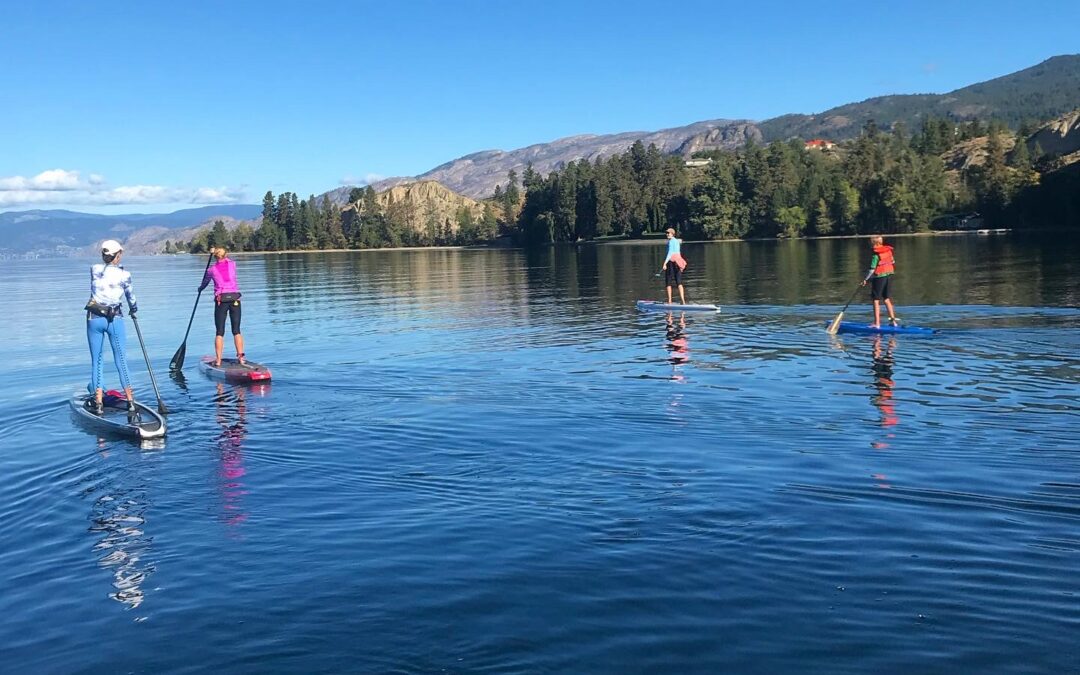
(673, 266)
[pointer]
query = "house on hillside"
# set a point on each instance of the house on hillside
(819, 144)
(690, 163)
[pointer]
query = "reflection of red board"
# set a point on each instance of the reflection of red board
(231, 370)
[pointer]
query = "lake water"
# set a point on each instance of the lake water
(489, 461)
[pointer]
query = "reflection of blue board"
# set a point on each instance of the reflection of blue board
(653, 306)
(852, 327)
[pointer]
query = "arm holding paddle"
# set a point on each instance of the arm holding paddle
(873, 266)
(177, 362)
(129, 295)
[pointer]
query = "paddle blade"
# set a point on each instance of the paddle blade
(161, 407)
(177, 362)
(834, 327)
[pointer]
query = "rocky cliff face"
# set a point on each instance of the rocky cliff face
(971, 153)
(721, 138)
(421, 203)
(1060, 137)
(476, 175)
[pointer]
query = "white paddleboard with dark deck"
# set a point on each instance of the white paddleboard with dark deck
(653, 306)
(144, 423)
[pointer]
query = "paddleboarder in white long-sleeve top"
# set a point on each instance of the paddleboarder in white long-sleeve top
(110, 284)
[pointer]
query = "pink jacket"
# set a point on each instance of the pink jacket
(223, 274)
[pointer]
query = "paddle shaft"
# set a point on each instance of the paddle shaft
(138, 331)
(853, 294)
(835, 325)
(178, 358)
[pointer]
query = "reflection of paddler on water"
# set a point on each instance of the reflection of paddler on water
(676, 336)
(118, 518)
(883, 383)
(231, 415)
(677, 344)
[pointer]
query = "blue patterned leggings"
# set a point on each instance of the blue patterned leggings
(97, 327)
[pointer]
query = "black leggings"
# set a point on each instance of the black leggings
(233, 310)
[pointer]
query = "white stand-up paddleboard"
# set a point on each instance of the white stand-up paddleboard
(143, 423)
(653, 306)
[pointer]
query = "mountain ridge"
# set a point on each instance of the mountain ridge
(64, 232)
(1041, 92)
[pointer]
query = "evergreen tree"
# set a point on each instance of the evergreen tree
(992, 181)
(285, 219)
(332, 231)
(604, 201)
(845, 207)
(219, 236)
(823, 221)
(512, 195)
(268, 208)
(489, 224)
(309, 225)
(243, 237)
(714, 203)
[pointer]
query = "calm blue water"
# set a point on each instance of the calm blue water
(488, 461)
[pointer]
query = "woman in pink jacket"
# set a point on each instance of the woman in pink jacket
(226, 302)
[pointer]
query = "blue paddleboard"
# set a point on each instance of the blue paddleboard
(653, 306)
(852, 327)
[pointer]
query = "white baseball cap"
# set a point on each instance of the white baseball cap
(111, 247)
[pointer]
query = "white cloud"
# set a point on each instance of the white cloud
(59, 186)
(51, 180)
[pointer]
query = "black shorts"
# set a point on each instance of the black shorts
(232, 309)
(879, 288)
(672, 274)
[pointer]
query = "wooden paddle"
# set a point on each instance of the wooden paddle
(177, 362)
(834, 327)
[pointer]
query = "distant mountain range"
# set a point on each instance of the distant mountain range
(1038, 93)
(60, 232)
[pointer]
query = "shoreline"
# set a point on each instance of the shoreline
(353, 250)
(653, 240)
(938, 233)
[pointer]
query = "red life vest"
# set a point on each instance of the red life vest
(885, 260)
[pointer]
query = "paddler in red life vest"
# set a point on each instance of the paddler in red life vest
(882, 266)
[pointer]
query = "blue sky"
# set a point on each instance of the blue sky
(146, 107)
